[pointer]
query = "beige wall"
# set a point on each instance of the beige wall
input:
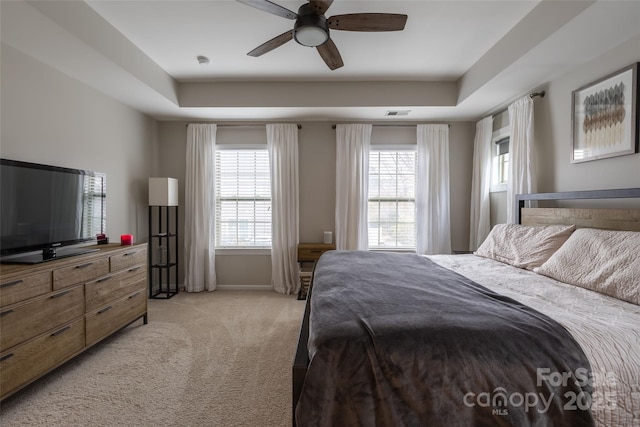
(48, 117)
(553, 131)
(317, 153)
(552, 118)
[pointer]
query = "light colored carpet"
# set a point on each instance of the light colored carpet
(208, 359)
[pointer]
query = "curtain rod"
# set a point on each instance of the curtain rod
(237, 124)
(532, 95)
(404, 125)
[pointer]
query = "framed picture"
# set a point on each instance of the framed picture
(604, 118)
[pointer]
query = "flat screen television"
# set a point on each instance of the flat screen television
(44, 208)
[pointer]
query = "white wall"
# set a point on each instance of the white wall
(48, 117)
(317, 165)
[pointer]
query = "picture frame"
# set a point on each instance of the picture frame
(604, 117)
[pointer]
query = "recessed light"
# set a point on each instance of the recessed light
(202, 60)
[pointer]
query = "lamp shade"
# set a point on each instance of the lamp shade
(163, 192)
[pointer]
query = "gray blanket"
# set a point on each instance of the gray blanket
(396, 340)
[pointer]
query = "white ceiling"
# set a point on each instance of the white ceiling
(455, 60)
(441, 40)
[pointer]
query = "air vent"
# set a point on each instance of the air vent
(397, 113)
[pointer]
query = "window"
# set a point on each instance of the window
(502, 165)
(500, 151)
(392, 199)
(93, 215)
(243, 198)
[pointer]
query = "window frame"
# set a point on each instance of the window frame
(240, 250)
(94, 202)
(394, 148)
(498, 185)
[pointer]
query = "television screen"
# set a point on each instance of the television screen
(45, 207)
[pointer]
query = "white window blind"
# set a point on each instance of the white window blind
(243, 198)
(93, 216)
(392, 199)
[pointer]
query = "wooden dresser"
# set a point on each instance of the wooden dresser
(51, 312)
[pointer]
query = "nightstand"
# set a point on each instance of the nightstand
(308, 254)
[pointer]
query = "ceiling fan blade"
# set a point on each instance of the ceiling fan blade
(319, 7)
(368, 22)
(329, 53)
(272, 44)
(267, 6)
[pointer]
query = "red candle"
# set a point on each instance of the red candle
(126, 239)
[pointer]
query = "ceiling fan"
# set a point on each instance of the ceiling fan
(312, 27)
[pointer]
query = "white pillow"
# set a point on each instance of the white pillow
(524, 246)
(604, 261)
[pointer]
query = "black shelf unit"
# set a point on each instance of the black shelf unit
(163, 251)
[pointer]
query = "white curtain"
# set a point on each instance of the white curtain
(200, 216)
(282, 142)
(522, 168)
(432, 191)
(480, 222)
(352, 186)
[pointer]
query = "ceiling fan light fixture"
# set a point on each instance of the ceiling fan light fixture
(310, 36)
(310, 29)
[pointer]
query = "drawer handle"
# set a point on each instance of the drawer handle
(134, 295)
(316, 251)
(104, 279)
(88, 264)
(131, 270)
(104, 310)
(61, 294)
(58, 332)
(6, 312)
(130, 253)
(15, 282)
(6, 356)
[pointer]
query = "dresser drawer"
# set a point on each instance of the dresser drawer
(308, 252)
(28, 361)
(22, 321)
(80, 273)
(128, 259)
(114, 286)
(115, 315)
(20, 289)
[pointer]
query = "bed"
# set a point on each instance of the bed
(401, 339)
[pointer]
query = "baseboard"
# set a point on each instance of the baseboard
(244, 287)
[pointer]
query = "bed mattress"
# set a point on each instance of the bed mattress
(607, 329)
(421, 356)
